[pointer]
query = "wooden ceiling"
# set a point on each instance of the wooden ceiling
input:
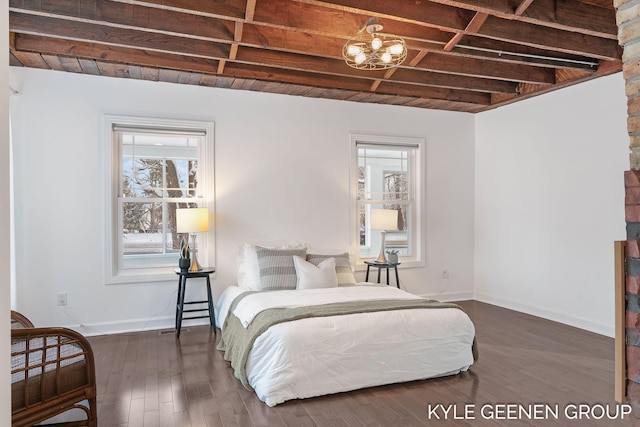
(464, 55)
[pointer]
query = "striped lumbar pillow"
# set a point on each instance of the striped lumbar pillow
(343, 267)
(277, 271)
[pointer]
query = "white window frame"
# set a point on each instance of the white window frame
(205, 195)
(418, 221)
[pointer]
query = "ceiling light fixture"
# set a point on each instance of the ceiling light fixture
(371, 49)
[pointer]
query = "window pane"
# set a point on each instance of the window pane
(142, 228)
(399, 239)
(148, 177)
(395, 185)
(159, 165)
(149, 233)
(383, 174)
(182, 177)
(363, 226)
(370, 239)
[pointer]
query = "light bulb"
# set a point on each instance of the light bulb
(376, 43)
(354, 50)
(360, 58)
(396, 49)
(386, 57)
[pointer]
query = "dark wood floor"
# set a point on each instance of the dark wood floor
(153, 379)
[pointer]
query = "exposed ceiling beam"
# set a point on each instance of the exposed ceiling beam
(462, 55)
(473, 27)
(448, 18)
(566, 15)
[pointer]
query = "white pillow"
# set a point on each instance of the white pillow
(343, 266)
(248, 268)
(312, 277)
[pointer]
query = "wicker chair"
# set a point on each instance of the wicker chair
(52, 371)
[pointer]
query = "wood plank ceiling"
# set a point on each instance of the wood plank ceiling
(464, 55)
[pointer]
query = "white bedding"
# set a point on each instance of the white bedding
(318, 356)
(254, 304)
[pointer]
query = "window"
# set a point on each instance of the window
(155, 167)
(388, 173)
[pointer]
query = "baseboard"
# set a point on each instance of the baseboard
(136, 325)
(575, 321)
(168, 322)
(450, 296)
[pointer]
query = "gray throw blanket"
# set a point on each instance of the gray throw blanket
(237, 341)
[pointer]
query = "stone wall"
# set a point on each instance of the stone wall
(632, 315)
(628, 20)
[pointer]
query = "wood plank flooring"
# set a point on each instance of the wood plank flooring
(153, 379)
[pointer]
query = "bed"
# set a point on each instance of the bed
(298, 343)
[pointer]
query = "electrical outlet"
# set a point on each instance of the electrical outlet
(445, 274)
(62, 299)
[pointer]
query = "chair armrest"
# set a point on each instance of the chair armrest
(19, 321)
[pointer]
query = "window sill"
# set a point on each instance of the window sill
(142, 277)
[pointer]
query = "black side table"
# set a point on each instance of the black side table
(182, 287)
(380, 266)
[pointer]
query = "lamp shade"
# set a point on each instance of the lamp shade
(384, 219)
(193, 220)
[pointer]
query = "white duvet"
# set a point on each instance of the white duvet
(318, 356)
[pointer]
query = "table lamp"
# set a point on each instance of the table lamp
(192, 221)
(383, 220)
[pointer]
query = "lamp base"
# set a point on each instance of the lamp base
(194, 264)
(194, 259)
(381, 258)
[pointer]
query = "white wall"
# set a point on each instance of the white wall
(282, 174)
(549, 202)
